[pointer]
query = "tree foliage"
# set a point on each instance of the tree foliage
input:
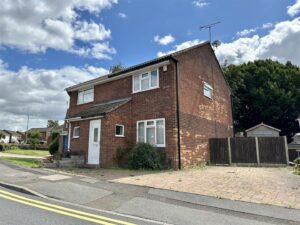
(116, 68)
(33, 138)
(265, 91)
(53, 124)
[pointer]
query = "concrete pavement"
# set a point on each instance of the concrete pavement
(156, 204)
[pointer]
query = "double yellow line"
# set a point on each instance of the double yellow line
(62, 210)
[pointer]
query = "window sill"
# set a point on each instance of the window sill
(75, 137)
(210, 98)
(84, 103)
(120, 136)
(135, 92)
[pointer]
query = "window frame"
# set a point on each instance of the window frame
(77, 127)
(123, 128)
(84, 92)
(140, 78)
(208, 87)
(155, 131)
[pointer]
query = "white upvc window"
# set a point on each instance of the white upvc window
(145, 81)
(85, 96)
(119, 130)
(76, 132)
(152, 132)
(207, 90)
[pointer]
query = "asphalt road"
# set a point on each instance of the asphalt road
(23, 209)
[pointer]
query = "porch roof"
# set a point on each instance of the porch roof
(100, 109)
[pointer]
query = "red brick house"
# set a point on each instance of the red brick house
(175, 102)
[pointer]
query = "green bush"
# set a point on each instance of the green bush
(145, 156)
(4, 147)
(297, 160)
(54, 145)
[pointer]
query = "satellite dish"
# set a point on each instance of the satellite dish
(216, 43)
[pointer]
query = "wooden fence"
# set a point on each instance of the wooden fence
(249, 150)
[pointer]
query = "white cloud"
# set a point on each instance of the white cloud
(43, 97)
(200, 3)
(293, 10)
(164, 40)
(279, 44)
(267, 25)
(122, 15)
(181, 46)
(91, 31)
(246, 32)
(36, 26)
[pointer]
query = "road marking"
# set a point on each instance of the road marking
(39, 204)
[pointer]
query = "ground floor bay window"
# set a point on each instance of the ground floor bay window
(152, 132)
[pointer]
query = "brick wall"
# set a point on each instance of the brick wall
(201, 118)
(151, 104)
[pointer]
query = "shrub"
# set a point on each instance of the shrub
(145, 156)
(54, 145)
(297, 160)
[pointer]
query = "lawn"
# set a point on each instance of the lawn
(27, 152)
(32, 163)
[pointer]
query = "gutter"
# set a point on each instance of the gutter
(177, 112)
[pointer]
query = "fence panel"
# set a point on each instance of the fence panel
(219, 150)
(243, 150)
(272, 150)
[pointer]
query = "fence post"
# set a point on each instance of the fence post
(257, 150)
(229, 151)
(286, 150)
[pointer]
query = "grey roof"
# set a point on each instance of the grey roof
(4, 132)
(13, 133)
(39, 129)
(262, 124)
(139, 66)
(101, 109)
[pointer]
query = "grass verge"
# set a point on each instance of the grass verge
(27, 152)
(32, 163)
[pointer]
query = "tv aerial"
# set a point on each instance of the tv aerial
(209, 27)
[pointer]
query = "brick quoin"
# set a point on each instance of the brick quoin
(200, 117)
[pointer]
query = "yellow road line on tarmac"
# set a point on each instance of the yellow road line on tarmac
(40, 204)
(56, 211)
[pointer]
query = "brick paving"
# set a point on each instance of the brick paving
(275, 186)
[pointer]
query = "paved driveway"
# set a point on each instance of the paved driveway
(276, 186)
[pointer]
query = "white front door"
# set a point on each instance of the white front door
(94, 142)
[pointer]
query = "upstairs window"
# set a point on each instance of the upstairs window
(207, 90)
(85, 96)
(146, 81)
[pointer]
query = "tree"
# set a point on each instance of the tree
(116, 68)
(265, 91)
(53, 124)
(34, 138)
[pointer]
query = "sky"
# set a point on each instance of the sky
(48, 45)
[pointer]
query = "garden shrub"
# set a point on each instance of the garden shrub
(145, 156)
(297, 160)
(54, 145)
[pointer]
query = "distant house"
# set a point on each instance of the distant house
(4, 137)
(43, 131)
(14, 136)
(262, 130)
(294, 147)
